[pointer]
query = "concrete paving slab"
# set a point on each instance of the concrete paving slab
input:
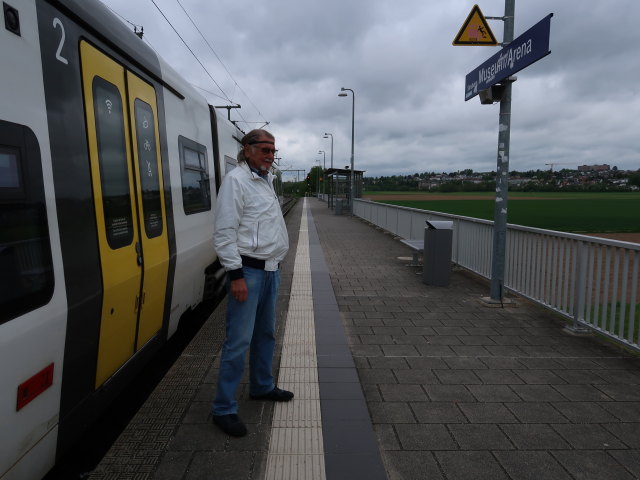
(450, 389)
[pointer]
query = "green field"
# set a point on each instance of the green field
(566, 212)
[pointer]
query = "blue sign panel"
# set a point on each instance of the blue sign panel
(528, 48)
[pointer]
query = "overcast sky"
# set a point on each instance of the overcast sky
(285, 61)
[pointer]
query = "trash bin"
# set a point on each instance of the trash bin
(338, 206)
(436, 257)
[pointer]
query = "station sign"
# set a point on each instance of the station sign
(528, 48)
(475, 30)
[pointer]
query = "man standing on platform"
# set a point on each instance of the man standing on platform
(251, 240)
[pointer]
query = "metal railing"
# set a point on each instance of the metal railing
(592, 281)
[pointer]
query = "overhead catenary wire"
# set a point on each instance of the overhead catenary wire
(210, 92)
(208, 44)
(222, 63)
(226, 97)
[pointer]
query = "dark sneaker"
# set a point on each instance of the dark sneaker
(277, 395)
(230, 424)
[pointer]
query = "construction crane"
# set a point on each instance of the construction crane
(556, 163)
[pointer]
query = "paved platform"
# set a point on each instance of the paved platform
(451, 388)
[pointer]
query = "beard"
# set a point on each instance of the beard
(264, 167)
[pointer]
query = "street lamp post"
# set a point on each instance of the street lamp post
(327, 135)
(318, 177)
(353, 115)
(331, 189)
(324, 167)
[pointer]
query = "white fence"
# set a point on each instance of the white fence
(593, 281)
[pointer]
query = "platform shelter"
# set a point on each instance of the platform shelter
(339, 185)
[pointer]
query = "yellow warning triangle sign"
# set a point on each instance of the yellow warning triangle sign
(475, 30)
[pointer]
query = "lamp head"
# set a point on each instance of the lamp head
(342, 94)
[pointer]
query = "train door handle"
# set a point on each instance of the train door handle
(138, 254)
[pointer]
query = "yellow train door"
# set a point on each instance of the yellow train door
(150, 194)
(129, 208)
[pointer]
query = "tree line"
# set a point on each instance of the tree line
(469, 181)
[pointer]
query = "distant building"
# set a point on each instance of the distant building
(594, 168)
(518, 181)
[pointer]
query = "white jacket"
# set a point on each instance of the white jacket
(248, 220)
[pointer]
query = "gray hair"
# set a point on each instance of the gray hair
(250, 138)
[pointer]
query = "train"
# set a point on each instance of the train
(109, 166)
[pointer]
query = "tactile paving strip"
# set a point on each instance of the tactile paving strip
(296, 448)
(297, 466)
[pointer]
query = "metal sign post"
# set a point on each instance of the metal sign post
(502, 173)
(493, 82)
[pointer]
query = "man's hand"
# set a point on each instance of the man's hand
(239, 290)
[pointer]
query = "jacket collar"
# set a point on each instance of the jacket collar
(254, 175)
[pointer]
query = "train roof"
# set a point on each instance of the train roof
(96, 18)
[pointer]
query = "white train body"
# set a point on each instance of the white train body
(109, 166)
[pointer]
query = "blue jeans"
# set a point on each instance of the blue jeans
(251, 323)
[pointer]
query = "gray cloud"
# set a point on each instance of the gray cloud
(578, 105)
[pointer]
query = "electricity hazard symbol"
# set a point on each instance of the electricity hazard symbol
(475, 30)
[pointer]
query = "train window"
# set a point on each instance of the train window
(148, 165)
(229, 163)
(10, 175)
(26, 270)
(9, 169)
(114, 171)
(196, 190)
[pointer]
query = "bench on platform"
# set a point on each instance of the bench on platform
(417, 247)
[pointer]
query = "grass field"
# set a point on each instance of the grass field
(566, 212)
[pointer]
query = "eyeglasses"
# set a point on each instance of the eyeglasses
(264, 150)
